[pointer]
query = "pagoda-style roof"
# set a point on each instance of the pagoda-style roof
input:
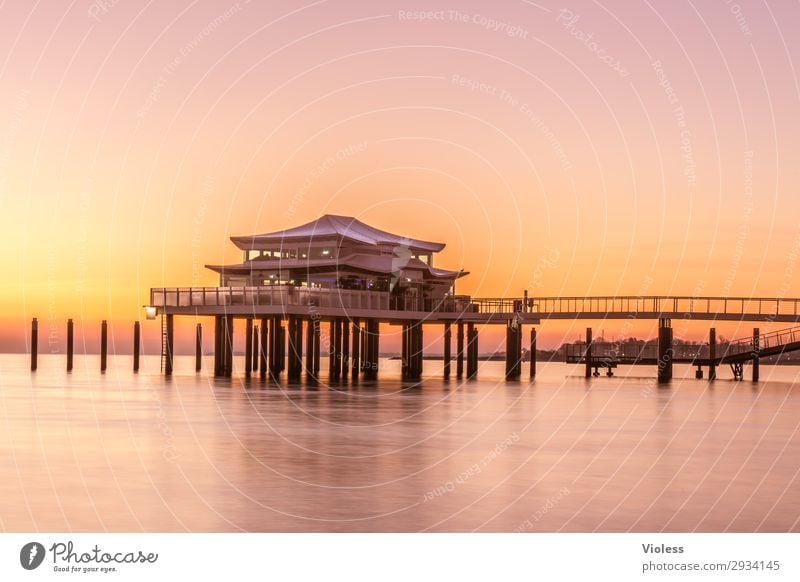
(334, 226)
(381, 264)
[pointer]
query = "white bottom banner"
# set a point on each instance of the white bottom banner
(382, 557)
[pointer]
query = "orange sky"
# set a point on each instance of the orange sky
(578, 151)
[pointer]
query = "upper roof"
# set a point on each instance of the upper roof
(332, 225)
(374, 263)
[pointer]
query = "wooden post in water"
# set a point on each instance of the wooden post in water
(103, 345)
(262, 353)
(447, 350)
(198, 348)
(70, 344)
(356, 348)
(170, 344)
(309, 361)
(756, 354)
(217, 327)
(332, 355)
(255, 347)
(665, 350)
(460, 349)
(227, 346)
(533, 352)
(712, 354)
(281, 348)
(248, 346)
(345, 348)
(137, 342)
(317, 334)
(472, 350)
(34, 344)
(588, 353)
(405, 351)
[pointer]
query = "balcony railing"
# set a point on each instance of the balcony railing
(289, 295)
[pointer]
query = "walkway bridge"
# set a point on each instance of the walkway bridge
(355, 315)
(736, 353)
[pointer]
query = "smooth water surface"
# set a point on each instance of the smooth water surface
(124, 452)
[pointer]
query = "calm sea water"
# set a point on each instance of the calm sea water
(125, 452)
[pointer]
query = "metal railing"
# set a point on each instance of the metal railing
(774, 339)
(730, 306)
(290, 295)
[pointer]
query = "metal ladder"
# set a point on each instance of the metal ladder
(163, 341)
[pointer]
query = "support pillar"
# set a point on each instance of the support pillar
(255, 347)
(281, 348)
(356, 349)
(587, 356)
(34, 344)
(274, 349)
(262, 352)
(664, 350)
(198, 349)
(316, 346)
(756, 352)
(104, 345)
(309, 366)
(294, 330)
(217, 345)
(513, 349)
(227, 346)
(460, 349)
(137, 334)
(248, 346)
(447, 350)
(533, 353)
(70, 345)
(712, 354)
(333, 352)
(345, 348)
(472, 351)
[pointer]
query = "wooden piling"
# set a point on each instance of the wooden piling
(756, 353)
(255, 347)
(317, 346)
(533, 353)
(103, 345)
(712, 354)
(217, 345)
(294, 330)
(137, 343)
(71, 344)
(281, 348)
(227, 346)
(446, 354)
(588, 353)
(170, 351)
(248, 346)
(345, 348)
(309, 361)
(262, 353)
(665, 350)
(460, 349)
(472, 351)
(34, 344)
(332, 350)
(198, 348)
(356, 349)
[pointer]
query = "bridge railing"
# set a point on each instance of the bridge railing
(290, 295)
(633, 304)
(772, 339)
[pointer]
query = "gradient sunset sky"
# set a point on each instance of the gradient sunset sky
(567, 148)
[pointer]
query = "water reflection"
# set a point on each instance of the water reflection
(121, 452)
